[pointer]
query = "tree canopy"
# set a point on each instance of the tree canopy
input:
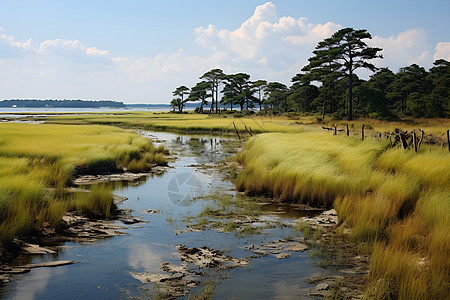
(340, 55)
(328, 85)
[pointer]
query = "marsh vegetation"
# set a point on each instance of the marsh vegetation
(39, 161)
(396, 200)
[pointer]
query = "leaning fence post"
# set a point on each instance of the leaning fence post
(237, 132)
(249, 132)
(448, 139)
(414, 140)
(362, 131)
(421, 138)
(348, 132)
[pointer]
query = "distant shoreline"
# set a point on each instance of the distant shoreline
(33, 103)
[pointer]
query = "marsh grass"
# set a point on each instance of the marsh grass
(226, 212)
(397, 201)
(191, 122)
(37, 158)
(99, 203)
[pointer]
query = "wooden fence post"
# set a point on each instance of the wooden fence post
(237, 132)
(362, 131)
(348, 132)
(414, 140)
(448, 139)
(421, 138)
(335, 129)
(249, 132)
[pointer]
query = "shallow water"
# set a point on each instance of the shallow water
(103, 271)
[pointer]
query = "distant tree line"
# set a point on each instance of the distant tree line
(329, 86)
(60, 103)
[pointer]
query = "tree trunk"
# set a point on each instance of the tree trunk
(212, 99)
(260, 100)
(323, 107)
(217, 95)
(350, 95)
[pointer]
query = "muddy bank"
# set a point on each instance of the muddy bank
(124, 176)
(175, 280)
(332, 248)
(75, 228)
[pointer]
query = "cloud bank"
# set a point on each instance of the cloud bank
(265, 46)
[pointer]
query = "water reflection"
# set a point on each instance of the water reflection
(197, 184)
(148, 257)
(36, 283)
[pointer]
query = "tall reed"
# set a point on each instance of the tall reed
(397, 200)
(38, 162)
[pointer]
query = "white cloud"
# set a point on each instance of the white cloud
(406, 48)
(266, 40)
(265, 46)
(442, 51)
(12, 42)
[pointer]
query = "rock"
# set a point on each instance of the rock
(278, 244)
(36, 249)
(296, 247)
(14, 271)
(119, 199)
(130, 221)
(322, 287)
(146, 277)
(259, 224)
(283, 255)
(326, 219)
(55, 263)
(354, 271)
(151, 211)
(205, 257)
(250, 247)
(260, 252)
(171, 268)
(94, 179)
(321, 294)
(321, 290)
(178, 278)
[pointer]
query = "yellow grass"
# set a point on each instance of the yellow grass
(35, 157)
(396, 199)
(186, 122)
(224, 122)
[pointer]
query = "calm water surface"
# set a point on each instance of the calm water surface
(103, 271)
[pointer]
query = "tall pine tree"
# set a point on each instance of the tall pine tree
(343, 53)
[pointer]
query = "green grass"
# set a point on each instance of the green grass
(223, 123)
(99, 203)
(189, 122)
(396, 200)
(38, 161)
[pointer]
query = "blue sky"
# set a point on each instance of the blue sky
(140, 51)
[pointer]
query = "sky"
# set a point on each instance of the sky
(139, 51)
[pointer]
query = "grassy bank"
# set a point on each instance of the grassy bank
(188, 122)
(223, 123)
(395, 200)
(38, 161)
